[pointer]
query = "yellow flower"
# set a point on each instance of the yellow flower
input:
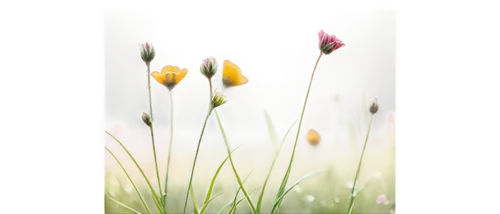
(313, 137)
(231, 75)
(170, 76)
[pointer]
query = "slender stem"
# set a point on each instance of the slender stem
(164, 199)
(210, 90)
(263, 191)
(196, 156)
(299, 126)
(234, 169)
(353, 195)
(151, 128)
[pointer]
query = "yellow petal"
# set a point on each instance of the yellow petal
(161, 78)
(169, 68)
(180, 75)
(231, 74)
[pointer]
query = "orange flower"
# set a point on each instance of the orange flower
(313, 137)
(170, 76)
(231, 75)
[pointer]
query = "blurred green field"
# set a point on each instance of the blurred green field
(326, 192)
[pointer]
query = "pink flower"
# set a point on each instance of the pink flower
(118, 129)
(382, 199)
(329, 43)
(391, 120)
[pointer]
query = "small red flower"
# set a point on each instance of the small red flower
(329, 43)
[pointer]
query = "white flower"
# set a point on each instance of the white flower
(375, 174)
(297, 189)
(309, 198)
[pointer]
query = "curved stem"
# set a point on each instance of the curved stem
(151, 129)
(169, 147)
(299, 126)
(353, 195)
(195, 157)
(249, 200)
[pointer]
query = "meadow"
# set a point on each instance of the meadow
(330, 190)
(290, 168)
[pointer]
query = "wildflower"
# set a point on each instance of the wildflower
(329, 43)
(297, 189)
(391, 121)
(337, 91)
(170, 76)
(218, 99)
(382, 199)
(231, 75)
(147, 52)
(374, 106)
(146, 119)
(309, 198)
(117, 129)
(375, 174)
(209, 67)
(313, 137)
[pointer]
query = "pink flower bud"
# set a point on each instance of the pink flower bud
(382, 199)
(329, 43)
(147, 52)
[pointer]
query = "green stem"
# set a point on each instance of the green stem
(285, 179)
(234, 169)
(263, 191)
(353, 195)
(210, 83)
(130, 179)
(169, 147)
(196, 156)
(151, 128)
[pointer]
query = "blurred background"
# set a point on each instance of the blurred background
(276, 49)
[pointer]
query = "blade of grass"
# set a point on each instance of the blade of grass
(274, 138)
(235, 204)
(249, 200)
(235, 196)
(195, 202)
(239, 189)
(205, 205)
(130, 179)
(352, 133)
(123, 204)
(356, 178)
(278, 201)
(210, 189)
(154, 195)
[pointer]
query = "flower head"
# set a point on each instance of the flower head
(170, 76)
(329, 43)
(147, 52)
(117, 129)
(374, 106)
(231, 75)
(209, 67)
(218, 99)
(382, 199)
(313, 137)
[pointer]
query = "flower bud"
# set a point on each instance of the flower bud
(218, 99)
(146, 119)
(374, 106)
(147, 52)
(329, 43)
(209, 67)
